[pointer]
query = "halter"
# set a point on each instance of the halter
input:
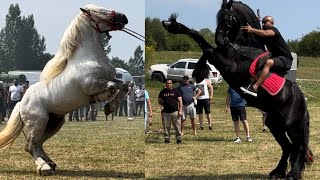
(88, 14)
(113, 25)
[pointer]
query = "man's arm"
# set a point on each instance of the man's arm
(198, 92)
(180, 106)
(210, 89)
(149, 107)
(160, 101)
(227, 103)
(259, 32)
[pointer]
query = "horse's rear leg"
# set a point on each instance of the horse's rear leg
(34, 130)
(53, 126)
(277, 128)
(299, 147)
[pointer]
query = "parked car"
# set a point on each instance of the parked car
(180, 68)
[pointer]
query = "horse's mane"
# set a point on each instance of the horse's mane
(246, 14)
(68, 45)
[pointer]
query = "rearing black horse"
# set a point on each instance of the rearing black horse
(288, 117)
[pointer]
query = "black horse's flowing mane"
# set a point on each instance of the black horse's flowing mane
(246, 14)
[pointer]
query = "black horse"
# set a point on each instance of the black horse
(288, 117)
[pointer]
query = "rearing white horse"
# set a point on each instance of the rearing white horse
(79, 73)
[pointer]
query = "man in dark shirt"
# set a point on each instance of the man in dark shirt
(171, 101)
(281, 56)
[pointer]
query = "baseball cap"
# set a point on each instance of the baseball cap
(185, 77)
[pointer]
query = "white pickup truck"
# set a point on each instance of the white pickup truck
(180, 68)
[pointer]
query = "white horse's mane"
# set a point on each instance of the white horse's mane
(68, 45)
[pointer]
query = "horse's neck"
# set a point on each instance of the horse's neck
(90, 46)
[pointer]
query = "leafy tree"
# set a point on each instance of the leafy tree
(309, 44)
(136, 64)
(119, 63)
(21, 47)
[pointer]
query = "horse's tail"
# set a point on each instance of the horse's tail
(309, 158)
(13, 128)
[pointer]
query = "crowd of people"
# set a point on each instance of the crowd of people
(192, 99)
(10, 95)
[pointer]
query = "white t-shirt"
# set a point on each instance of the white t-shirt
(204, 89)
(15, 92)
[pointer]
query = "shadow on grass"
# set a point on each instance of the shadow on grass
(215, 177)
(79, 174)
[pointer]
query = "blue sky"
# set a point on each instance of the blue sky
(53, 17)
(293, 18)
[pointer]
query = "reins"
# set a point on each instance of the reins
(134, 34)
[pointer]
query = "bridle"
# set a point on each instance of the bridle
(114, 25)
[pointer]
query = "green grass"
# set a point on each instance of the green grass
(213, 154)
(84, 150)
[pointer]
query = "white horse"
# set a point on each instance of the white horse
(79, 73)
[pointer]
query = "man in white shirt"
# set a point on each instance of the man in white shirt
(15, 94)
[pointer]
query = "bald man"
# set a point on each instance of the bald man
(281, 56)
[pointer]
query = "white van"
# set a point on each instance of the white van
(123, 75)
(33, 76)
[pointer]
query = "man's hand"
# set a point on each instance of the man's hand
(247, 28)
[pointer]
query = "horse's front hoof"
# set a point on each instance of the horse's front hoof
(45, 170)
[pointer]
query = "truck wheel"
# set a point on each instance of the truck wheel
(158, 77)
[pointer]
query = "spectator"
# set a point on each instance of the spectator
(188, 94)
(15, 95)
(237, 107)
(147, 114)
(203, 101)
(140, 99)
(25, 87)
(2, 102)
(131, 101)
(171, 101)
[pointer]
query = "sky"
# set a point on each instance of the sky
(294, 19)
(53, 17)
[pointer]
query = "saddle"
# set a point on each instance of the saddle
(274, 83)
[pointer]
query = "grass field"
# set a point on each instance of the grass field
(84, 150)
(213, 154)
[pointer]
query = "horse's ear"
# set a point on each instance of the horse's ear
(229, 5)
(224, 4)
(83, 10)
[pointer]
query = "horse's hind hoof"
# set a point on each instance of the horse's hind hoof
(52, 165)
(45, 170)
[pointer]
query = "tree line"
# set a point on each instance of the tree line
(22, 48)
(158, 39)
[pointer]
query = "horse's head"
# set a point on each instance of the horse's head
(230, 18)
(104, 20)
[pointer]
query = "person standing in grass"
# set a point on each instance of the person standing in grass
(189, 93)
(147, 111)
(171, 101)
(237, 106)
(203, 101)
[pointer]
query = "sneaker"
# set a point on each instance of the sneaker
(249, 91)
(210, 127)
(201, 128)
(179, 141)
(166, 141)
(249, 139)
(237, 140)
